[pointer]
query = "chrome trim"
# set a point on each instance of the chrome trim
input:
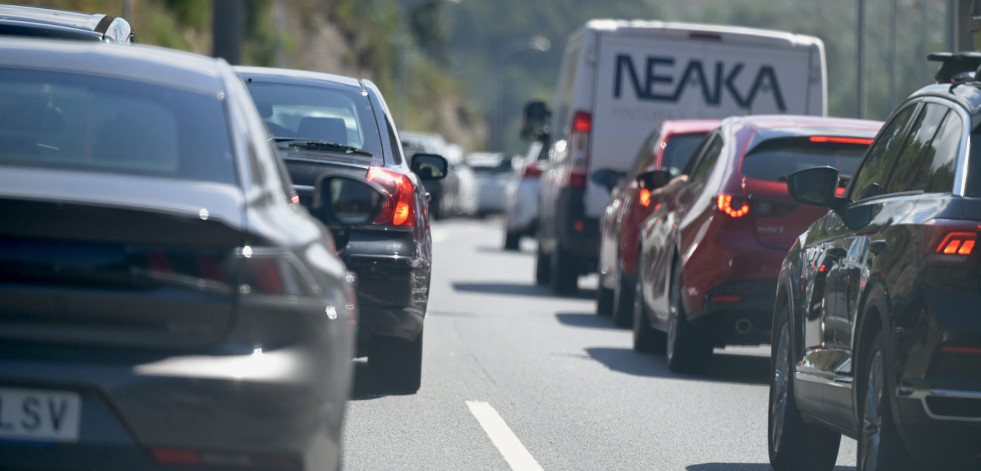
(922, 396)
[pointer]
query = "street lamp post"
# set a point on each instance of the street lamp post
(532, 44)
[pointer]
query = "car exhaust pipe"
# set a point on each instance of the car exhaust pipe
(743, 326)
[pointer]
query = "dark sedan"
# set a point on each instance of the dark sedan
(876, 328)
(16, 20)
(163, 299)
(327, 123)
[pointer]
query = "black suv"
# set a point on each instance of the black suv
(18, 20)
(877, 328)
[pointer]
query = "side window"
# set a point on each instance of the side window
(870, 179)
(699, 154)
(646, 154)
(706, 159)
(936, 173)
(921, 136)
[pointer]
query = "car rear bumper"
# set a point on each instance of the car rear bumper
(941, 422)
(738, 312)
(272, 394)
(393, 292)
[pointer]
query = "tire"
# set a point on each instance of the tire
(623, 298)
(512, 240)
(687, 350)
(879, 445)
(543, 267)
(565, 279)
(396, 364)
(604, 300)
(646, 338)
(793, 444)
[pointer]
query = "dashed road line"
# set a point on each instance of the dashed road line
(504, 439)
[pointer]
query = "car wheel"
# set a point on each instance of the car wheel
(646, 338)
(879, 445)
(396, 364)
(623, 302)
(793, 444)
(565, 279)
(604, 300)
(512, 240)
(543, 266)
(687, 350)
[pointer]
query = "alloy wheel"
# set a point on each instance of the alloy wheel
(779, 389)
(871, 414)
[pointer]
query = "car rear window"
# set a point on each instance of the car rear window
(92, 123)
(776, 158)
(338, 116)
(678, 151)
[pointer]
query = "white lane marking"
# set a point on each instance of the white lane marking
(503, 438)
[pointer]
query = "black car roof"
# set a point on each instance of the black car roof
(150, 64)
(298, 76)
(82, 21)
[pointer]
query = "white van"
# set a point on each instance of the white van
(620, 79)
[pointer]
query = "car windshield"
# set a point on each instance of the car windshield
(774, 159)
(300, 114)
(92, 123)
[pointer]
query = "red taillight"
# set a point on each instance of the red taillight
(577, 179)
(399, 210)
(645, 197)
(841, 140)
(957, 243)
(961, 349)
(582, 122)
(735, 207)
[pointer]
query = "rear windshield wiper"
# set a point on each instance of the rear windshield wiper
(313, 144)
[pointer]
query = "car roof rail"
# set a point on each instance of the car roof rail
(956, 67)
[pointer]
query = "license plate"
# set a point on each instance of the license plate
(39, 415)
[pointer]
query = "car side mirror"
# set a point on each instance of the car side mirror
(607, 178)
(653, 179)
(816, 186)
(341, 200)
(534, 120)
(429, 166)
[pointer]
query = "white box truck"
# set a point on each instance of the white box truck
(619, 79)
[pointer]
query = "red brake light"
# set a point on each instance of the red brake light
(957, 243)
(645, 197)
(841, 140)
(400, 209)
(582, 122)
(735, 207)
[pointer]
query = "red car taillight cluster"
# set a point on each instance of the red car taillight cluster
(952, 241)
(400, 209)
(582, 124)
(733, 206)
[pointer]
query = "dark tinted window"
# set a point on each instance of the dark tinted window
(320, 113)
(936, 175)
(91, 123)
(776, 158)
(872, 175)
(924, 127)
(706, 159)
(646, 155)
(678, 150)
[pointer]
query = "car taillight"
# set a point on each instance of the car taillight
(273, 271)
(400, 209)
(952, 241)
(733, 206)
(582, 124)
(957, 243)
(645, 197)
(842, 140)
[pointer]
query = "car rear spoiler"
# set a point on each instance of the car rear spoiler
(956, 67)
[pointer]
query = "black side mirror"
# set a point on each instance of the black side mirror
(653, 179)
(816, 186)
(607, 178)
(429, 166)
(341, 200)
(534, 120)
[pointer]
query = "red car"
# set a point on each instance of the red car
(669, 147)
(710, 255)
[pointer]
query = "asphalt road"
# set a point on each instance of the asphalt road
(516, 378)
